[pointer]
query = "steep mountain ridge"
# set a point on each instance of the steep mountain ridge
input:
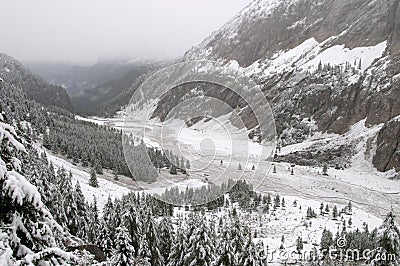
(331, 63)
(35, 87)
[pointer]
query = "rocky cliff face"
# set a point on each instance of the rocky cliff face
(33, 86)
(334, 62)
(388, 152)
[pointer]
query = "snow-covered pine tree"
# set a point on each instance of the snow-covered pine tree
(349, 208)
(237, 238)
(150, 244)
(93, 178)
(124, 252)
(37, 172)
(29, 235)
(133, 222)
(225, 251)
(92, 225)
(200, 250)
(166, 237)
(104, 241)
(327, 209)
(335, 212)
(57, 203)
(71, 211)
(116, 177)
(326, 240)
(178, 248)
(115, 218)
(81, 208)
(250, 256)
(140, 164)
(389, 241)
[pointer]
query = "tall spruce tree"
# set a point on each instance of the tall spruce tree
(134, 225)
(389, 240)
(93, 178)
(225, 252)
(81, 208)
(250, 256)
(200, 250)
(150, 244)
(124, 252)
(166, 237)
(104, 241)
(178, 248)
(237, 238)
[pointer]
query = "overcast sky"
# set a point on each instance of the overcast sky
(83, 31)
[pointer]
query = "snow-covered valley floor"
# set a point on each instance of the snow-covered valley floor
(367, 188)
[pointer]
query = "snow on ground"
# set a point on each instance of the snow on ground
(370, 190)
(339, 55)
(361, 172)
(291, 222)
(161, 184)
(309, 54)
(285, 60)
(96, 120)
(227, 139)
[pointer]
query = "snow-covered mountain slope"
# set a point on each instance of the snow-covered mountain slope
(334, 63)
(266, 27)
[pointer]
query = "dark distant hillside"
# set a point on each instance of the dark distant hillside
(47, 70)
(35, 87)
(112, 106)
(87, 100)
(79, 78)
